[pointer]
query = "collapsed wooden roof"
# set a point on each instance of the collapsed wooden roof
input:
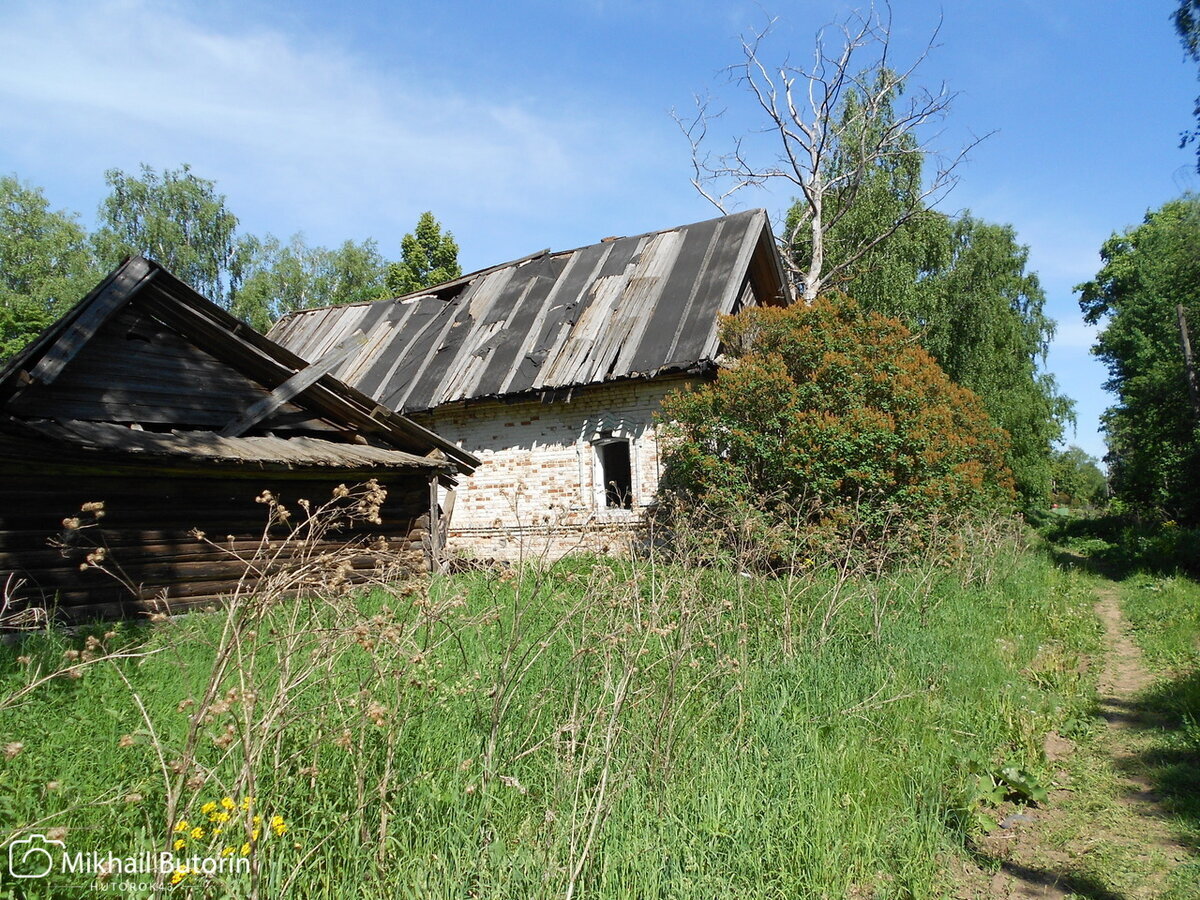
(147, 367)
(631, 307)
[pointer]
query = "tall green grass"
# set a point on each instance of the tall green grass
(597, 728)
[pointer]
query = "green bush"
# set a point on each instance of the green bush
(836, 418)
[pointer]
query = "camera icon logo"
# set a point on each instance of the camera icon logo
(33, 856)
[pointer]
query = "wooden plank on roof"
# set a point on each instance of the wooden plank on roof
(680, 286)
(519, 324)
(560, 338)
(558, 300)
(298, 383)
(133, 275)
(645, 291)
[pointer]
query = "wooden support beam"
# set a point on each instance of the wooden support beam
(132, 276)
(298, 383)
(1189, 365)
(444, 521)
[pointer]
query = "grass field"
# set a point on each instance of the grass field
(597, 728)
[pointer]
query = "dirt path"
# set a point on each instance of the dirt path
(1104, 834)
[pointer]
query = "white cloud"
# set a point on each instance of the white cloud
(312, 134)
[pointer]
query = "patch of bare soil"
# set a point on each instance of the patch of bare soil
(1113, 847)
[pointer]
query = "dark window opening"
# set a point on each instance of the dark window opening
(618, 475)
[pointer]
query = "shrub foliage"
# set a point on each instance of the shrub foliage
(840, 412)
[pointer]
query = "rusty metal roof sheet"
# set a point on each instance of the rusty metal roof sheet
(624, 308)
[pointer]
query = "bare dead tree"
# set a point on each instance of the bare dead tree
(827, 148)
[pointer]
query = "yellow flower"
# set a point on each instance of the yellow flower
(221, 817)
(245, 851)
(180, 874)
(246, 801)
(209, 807)
(278, 825)
(255, 833)
(228, 803)
(182, 826)
(228, 851)
(216, 831)
(180, 844)
(257, 820)
(197, 833)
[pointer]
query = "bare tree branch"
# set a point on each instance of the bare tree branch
(836, 123)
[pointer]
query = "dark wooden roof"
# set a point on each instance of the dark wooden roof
(144, 365)
(631, 307)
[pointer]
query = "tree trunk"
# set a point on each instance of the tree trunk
(1189, 365)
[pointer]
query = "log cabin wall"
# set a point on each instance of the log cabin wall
(151, 511)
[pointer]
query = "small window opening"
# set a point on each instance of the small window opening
(618, 475)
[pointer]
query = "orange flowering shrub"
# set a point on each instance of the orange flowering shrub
(831, 409)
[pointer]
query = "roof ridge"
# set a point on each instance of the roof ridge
(471, 276)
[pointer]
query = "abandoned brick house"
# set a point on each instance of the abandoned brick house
(551, 368)
(150, 400)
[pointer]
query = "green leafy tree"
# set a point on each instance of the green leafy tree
(1078, 479)
(830, 405)
(1187, 23)
(429, 257)
(989, 331)
(45, 264)
(177, 219)
(1150, 275)
(284, 278)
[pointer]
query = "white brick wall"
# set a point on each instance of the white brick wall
(539, 488)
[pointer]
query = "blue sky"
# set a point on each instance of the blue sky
(547, 124)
